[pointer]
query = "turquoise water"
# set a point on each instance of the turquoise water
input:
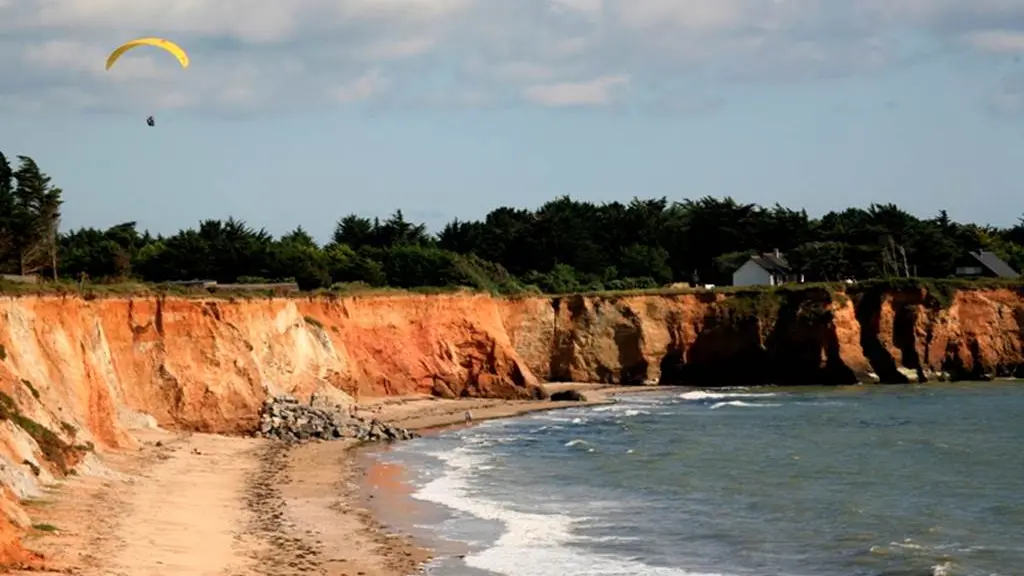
(894, 481)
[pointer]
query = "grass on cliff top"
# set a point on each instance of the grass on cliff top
(943, 285)
(942, 289)
(93, 291)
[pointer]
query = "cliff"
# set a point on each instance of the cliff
(78, 374)
(785, 337)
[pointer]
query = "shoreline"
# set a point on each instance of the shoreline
(188, 504)
(449, 417)
(429, 415)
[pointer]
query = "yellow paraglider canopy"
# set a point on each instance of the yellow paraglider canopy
(157, 42)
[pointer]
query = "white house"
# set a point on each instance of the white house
(768, 269)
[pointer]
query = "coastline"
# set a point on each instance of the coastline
(194, 504)
(383, 487)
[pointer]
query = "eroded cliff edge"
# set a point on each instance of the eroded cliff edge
(78, 374)
(784, 337)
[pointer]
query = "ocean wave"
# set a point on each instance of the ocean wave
(619, 408)
(703, 395)
(532, 544)
(742, 404)
(563, 419)
(624, 409)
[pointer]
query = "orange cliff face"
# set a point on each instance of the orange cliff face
(802, 337)
(84, 373)
(77, 374)
(207, 365)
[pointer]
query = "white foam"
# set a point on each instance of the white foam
(703, 395)
(575, 442)
(532, 544)
(564, 419)
(623, 409)
(742, 404)
(552, 418)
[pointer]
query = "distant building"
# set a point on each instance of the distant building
(983, 264)
(768, 269)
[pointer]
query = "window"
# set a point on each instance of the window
(968, 271)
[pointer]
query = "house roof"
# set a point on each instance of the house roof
(771, 262)
(995, 264)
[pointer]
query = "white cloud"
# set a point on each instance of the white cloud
(257, 55)
(1008, 41)
(590, 93)
(360, 89)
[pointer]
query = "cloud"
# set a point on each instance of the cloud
(361, 89)
(250, 55)
(1006, 41)
(588, 93)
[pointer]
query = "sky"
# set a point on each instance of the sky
(300, 112)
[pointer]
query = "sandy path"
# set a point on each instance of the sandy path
(176, 512)
(205, 505)
(184, 512)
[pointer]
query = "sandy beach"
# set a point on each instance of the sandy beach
(199, 504)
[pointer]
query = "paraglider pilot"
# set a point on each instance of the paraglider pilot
(150, 121)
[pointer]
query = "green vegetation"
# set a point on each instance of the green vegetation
(32, 466)
(751, 305)
(7, 406)
(69, 428)
(563, 247)
(31, 388)
(53, 448)
(313, 322)
(45, 527)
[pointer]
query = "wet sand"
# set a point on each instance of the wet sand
(200, 504)
(427, 412)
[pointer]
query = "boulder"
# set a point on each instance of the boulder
(285, 418)
(568, 395)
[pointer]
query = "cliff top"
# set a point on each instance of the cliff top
(940, 289)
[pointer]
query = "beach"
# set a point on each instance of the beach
(201, 504)
(660, 482)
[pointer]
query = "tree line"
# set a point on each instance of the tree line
(564, 246)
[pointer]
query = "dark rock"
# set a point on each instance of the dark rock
(284, 418)
(568, 395)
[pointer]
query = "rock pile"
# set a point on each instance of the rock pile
(284, 418)
(568, 395)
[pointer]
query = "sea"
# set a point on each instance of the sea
(919, 480)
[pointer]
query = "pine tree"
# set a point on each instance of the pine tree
(7, 219)
(37, 218)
